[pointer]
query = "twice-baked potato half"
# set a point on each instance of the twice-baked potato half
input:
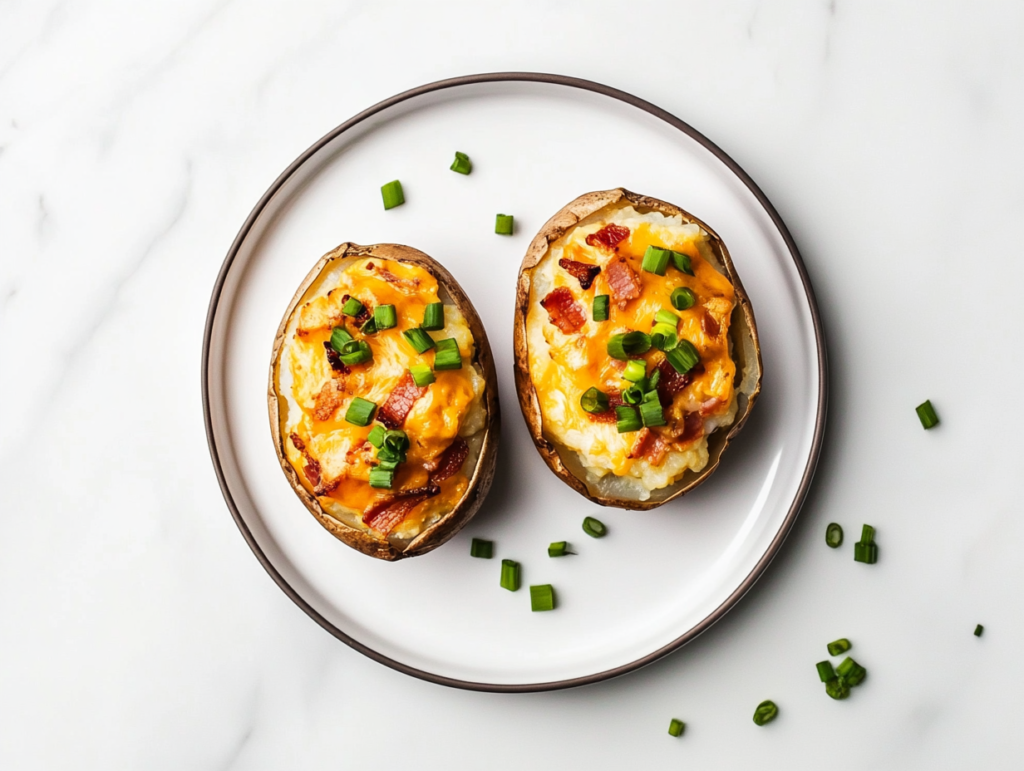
(383, 400)
(636, 352)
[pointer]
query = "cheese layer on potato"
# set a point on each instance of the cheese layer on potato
(568, 349)
(333, 457)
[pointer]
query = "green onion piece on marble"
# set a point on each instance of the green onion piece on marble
(510, 575)
(482, 549)
(461, 164)
(825, 670)
(766, 712)
(926, 414)
(837, 688)
(504, 224)
(594, 527)
(837, 647)
(834, 535)
(676, 727)
(559, 549)
(542, 597)
(978, 630)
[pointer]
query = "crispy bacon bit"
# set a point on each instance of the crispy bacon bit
(391, 278)
(396, 408)
(650, 446)
(655, 454)
(623, 281)
(608, 416)
(297, 442)
(710, 325)
(364, 314)
(608, 237)
(386, 514)
(335, 359)
(671, 382)
(312, 470)
(451, 460)
(327, 487)
(563, 311)
(327, 401)
(582, 271)
(693, 427)
(706, 408)
(640, 443)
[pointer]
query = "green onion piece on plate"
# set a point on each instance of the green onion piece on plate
(978, 630)
(656, 260)
(676, 727)
(420, 341)
(481, 549)
(559, 549)
(600, 308)
(926, 413)
(380, 477)
(627, 419)
(542, 597)
(837, 647)
(504, 224)
(447, 355)
(385, 317)
(852, 672)
(627, 344)
(766, 712)
(421, 375)
(825, 670)
(594, 401)
(867, 534)
(510, 575)
(683, 357)
(393, 195)
(339, 336)
(594, 527)
(461, 164)
(683, 298)
(837, 688)
(433, 317)
(635, 371)
(834, 535)
(360, 412)
(865, 552)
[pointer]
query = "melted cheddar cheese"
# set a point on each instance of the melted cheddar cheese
(317, 395)
(565, 364)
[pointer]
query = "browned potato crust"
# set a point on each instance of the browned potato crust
(745, 350)
(480, 477)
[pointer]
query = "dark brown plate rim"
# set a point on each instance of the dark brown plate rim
(819, 426)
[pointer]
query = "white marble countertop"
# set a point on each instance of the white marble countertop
(138, 631)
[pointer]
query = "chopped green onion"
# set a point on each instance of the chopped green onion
(393, 195)
(652, 381)
(825, 670)
(633, 395)
(867, 534)
(627, 344)
(682, 263)
(852, 672)
(461, 163)
(447, 355)
(356, 352)
(594, 527)
(360, 412)
(663, 337)
(683, 298)
(676, 727)
(635, 371)
(388, 455)
(396, 440)
(766, 712)
(542, 597)
(627, 419)
(369, 327)
(388, 465)
(433, 317)
(865, 552)
(385, 317)
(481, 548)
(376, 436)
(420, 341)
(380, 477)
(978, 630)
(651, 412)
(510, 575)
(594, 401)
(834, 535)
(339, 336)
(600, 308)
(651, 396)
(927, 415)
(683, 357)
(837, 688)
(503, 224)
(836, 647)
(666, 317)
(559, 549)
(352, 307)
(656, 260)
(421, 375)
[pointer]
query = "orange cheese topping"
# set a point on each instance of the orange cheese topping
(343, 456)
(564, 365)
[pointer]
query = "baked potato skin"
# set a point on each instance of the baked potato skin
(743, 335)
(482, 474)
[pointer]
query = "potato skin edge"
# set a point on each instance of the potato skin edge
(483, 474)
(560, 223)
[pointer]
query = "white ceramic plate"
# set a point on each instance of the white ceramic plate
(659, 578)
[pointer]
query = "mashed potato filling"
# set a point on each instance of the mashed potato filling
(317, 395)
(566, 363)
